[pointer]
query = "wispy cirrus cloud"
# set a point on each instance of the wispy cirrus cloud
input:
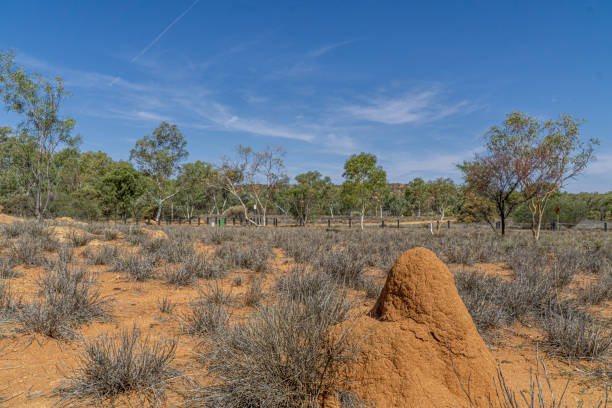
(327, 48)
(423, 106)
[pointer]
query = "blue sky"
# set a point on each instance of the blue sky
(416, 83)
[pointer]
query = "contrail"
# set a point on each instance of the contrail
(164, 31)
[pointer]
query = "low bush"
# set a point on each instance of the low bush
(343, 266)
(68, 299)
(27, 250)
(253, 257)
(101, 255)
(254, 294)
(9, 304)
(205, 319)
(137, 267)
(113, 365)
(481, 295)
(285, 356)
(7, 268)
(574, 333)
(78, 239)
(166, 305)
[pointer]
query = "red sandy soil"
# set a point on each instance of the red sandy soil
(31, 365)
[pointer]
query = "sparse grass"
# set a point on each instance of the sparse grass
(136, 266)
(9, 304)
(166, 305)
(27, 250)
(345, 267)
(218, 236)
(253, 257)
(216, 295)
(101, 255)
(78, 239)
(110, 234)
(254, 294)
(111, 365)
(7, 268)
(205, 319)
(251, 362)
(168, 251)
(574, 333)
(68, 299)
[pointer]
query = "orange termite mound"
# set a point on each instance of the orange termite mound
(417, 321)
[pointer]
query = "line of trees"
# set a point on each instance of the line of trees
(524, 166)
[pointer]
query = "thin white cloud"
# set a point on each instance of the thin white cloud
(433, 164)
(263, 128)
(601, 165)
(327, 48)
(164, 31)
(412, 108)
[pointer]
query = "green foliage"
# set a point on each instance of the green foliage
(307, 195)
(40, 131)
(120, 187)
(365, 182)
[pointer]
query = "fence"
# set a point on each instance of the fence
(338, 222)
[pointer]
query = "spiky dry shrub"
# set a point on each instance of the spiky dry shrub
(27, 250)
(290, 354)
(20, 228)
(216, 295)
(101, 255)
(481, 295)
(194, 267)
(9, 303)
(254, 257)
(68, 299)
(254, 295)
(168, 250)
(136, 266)
(205, 319)
(597, 292)
(344, 266)
(110, 234)
(301, 284)
(135, 236)
(7, 268)
(118, 364)
(575, 333)
(218, 236)
(79, 238)
(65, 255)
(178, 275)
(166, 305)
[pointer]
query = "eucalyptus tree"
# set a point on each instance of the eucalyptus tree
(555, 155)
(253, 177)
(306, 195)
(41, 129)
(159, 156)
(442, 193)
(365, 182)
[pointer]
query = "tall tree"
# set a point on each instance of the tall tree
(120, 188)
(158, 156)
(442, 193)
(496, 175)
(306, 195)
(365, 182)
(555, 155)
(196, 181)
(41, 130)
(416, 196)
(253, 175)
